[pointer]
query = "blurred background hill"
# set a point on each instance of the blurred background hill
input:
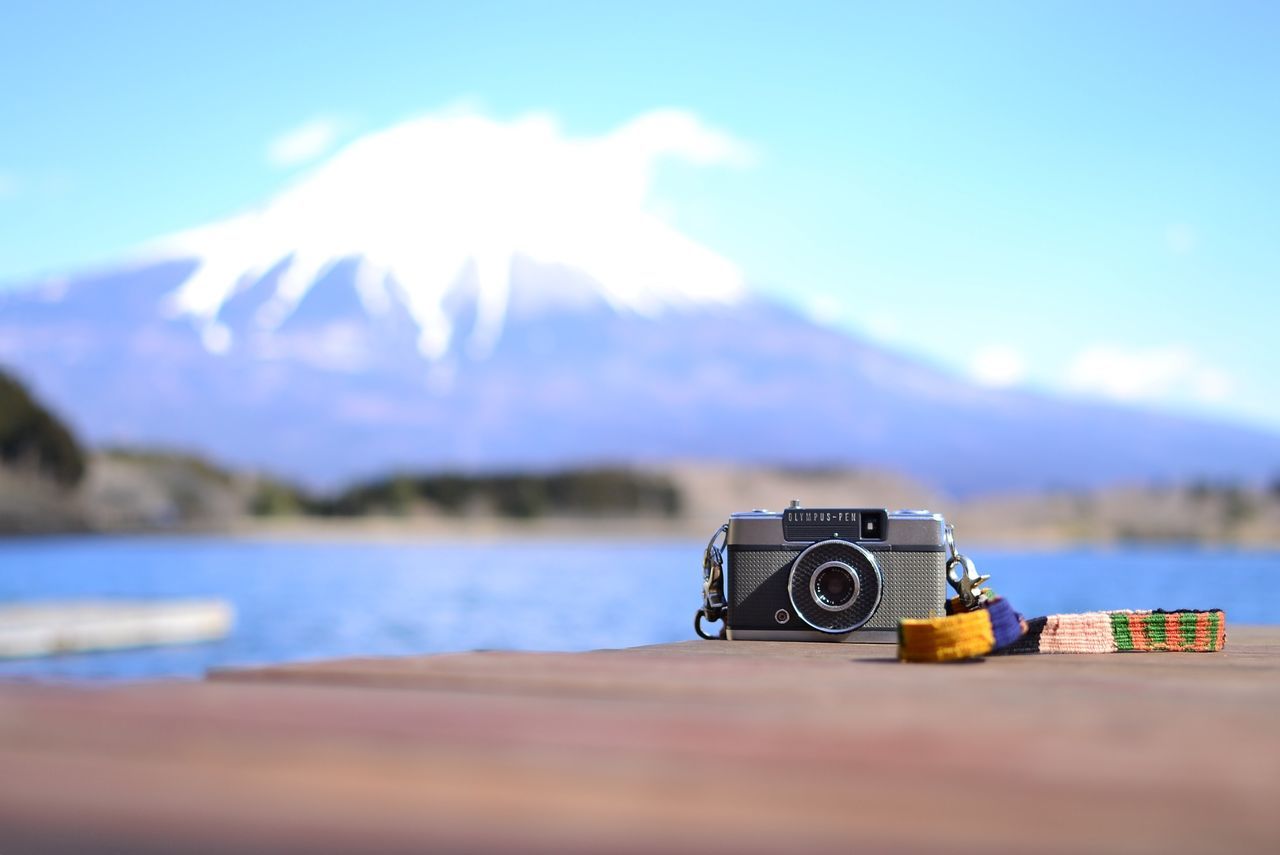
(48, 484)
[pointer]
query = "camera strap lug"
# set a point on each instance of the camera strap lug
(713, 601)
(964, 577)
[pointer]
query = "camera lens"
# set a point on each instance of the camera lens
(834, 585)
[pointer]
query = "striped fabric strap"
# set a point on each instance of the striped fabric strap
(998, 629)
(1183, 630)
(962, 635)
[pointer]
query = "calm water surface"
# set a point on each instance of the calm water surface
(317, 600)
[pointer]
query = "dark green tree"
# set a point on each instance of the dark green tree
(33, 439)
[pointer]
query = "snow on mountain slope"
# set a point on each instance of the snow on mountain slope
(414, 205)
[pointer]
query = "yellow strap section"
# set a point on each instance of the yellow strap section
(961, 636)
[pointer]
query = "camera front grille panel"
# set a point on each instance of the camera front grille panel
(914, 585)
(758, 588)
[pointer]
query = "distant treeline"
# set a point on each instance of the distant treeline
(582, 492)
(154, 458)
(33, 441)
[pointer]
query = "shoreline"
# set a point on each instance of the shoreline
(441, 531)
(172, 495)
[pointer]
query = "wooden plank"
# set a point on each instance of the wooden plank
(710, 746)
(45, 628)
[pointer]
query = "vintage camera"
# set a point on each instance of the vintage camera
(832, 574)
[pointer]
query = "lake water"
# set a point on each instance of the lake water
(318, 600)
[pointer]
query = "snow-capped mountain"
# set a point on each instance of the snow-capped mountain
(458, 292)
(412, 207)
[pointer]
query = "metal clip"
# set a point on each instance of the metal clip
(964, 576)
(713, 601)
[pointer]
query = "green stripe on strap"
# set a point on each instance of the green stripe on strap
(1187, 625)
(1155, 627)
(1120, 631)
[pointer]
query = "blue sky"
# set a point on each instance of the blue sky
(1076, 197)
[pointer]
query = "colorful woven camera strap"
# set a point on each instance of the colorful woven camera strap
(995, 628)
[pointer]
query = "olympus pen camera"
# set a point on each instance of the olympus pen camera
(832, 574)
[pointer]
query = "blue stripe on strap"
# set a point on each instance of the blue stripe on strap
(1006, 624)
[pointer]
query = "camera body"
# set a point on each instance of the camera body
(832, 574)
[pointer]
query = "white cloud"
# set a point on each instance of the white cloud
(681, 133)
(1154, 374)
(826, 309)
(882, 327)
(998, 365)
(1181, 239)
(49, 184)
(304, 143)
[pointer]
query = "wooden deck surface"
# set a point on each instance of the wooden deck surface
(701, 746)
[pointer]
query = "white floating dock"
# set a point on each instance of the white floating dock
(44, 629)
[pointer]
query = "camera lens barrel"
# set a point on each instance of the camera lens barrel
(835, 586)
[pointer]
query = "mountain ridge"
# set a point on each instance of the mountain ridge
(331, 394)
